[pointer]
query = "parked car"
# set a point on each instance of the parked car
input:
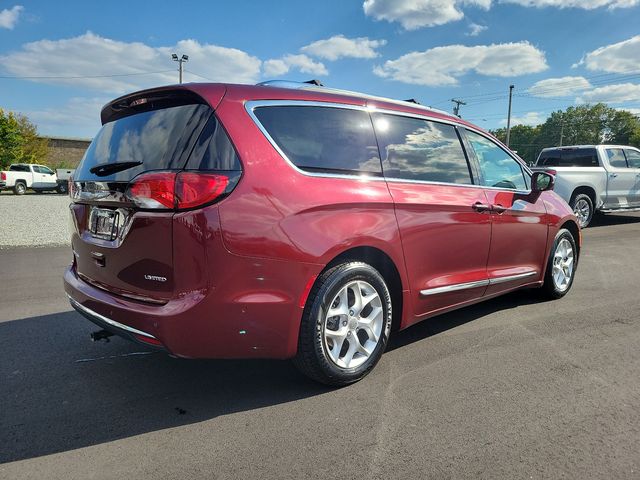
(22, 176)
(289, 220)
(64, 175)
(594, 178)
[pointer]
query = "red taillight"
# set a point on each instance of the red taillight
(154, 190)
(173, 190)
(193, 189)
(3, 176)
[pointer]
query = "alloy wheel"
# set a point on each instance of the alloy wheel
(353, 324)
(582, 211)
(563, 265)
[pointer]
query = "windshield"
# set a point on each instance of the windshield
(151, 140)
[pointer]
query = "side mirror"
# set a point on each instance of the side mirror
(542, 181)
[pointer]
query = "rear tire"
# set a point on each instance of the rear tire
(19, 188)
(582, 207)
(342, 348)
(62, 188)
(561, 266)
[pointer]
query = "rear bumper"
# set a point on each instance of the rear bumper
(220, 322)
(117, 328)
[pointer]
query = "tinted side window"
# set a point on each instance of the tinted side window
(498, 169)
(582, 157)
(37, 169)
(214, 150)
(633, 157)
(19, 168)
(323, 138)
(616, 158)
(550, 158)
(416, 149)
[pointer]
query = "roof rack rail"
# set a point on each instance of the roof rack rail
(412, 100)
(315, 82)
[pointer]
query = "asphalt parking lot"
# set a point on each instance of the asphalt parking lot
(512, 388)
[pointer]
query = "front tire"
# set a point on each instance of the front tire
(582, 207)
(345, 325)
(561, 266)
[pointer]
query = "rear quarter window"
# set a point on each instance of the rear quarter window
(323, 139)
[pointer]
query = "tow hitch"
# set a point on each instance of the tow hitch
(101, 335)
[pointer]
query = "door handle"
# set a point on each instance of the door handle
(480, 207)
(613, 175)
(498, 208)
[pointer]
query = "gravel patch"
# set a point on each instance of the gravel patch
(34, 220)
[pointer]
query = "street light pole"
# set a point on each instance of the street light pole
(509, 115)
(181, 61)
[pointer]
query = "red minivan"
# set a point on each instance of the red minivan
(288, 220)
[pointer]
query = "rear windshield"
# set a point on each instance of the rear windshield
(581, 157)
(160, 139)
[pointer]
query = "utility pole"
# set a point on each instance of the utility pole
(509, 115)
(456, 108)
(562, 130)
(181, 61)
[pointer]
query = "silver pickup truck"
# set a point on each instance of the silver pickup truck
(594, 178)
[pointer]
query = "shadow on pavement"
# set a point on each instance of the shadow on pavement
(61, 392)
(601, 220)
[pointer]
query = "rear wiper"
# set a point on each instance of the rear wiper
(109, 168)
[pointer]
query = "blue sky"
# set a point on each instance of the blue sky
(61, 61)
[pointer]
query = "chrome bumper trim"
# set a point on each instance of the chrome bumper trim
(479, 283)
(87, 311)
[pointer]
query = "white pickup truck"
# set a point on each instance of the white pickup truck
(22, 176)
(594, 178)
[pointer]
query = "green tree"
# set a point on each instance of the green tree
(19, 140)
(578, 125)
(522, 140)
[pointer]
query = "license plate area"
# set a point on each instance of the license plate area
(103, 223)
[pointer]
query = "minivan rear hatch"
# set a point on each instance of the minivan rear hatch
(122, 245)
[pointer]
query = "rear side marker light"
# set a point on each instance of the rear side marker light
(171, 190)
(149, 340)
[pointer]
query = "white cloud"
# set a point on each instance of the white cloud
(475, 29)
(414, 14)
(93, 55)
(584, 4)
(442, 65)
(619, 93)
(621, 57)
(339, 46)
(559, 87)
(529, 118)
(9, 16)
(301, 62)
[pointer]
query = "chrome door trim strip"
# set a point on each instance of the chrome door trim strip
(480, 283)
(454, 288)
(511, 278)
(87, 311)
